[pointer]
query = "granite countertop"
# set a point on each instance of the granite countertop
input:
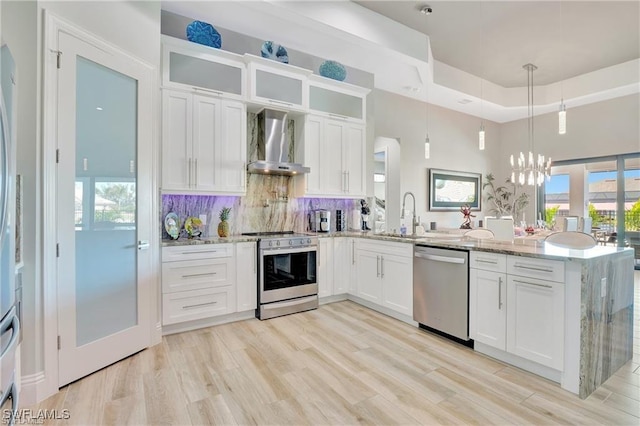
(208, 240)
(533, 246)
(521, 246)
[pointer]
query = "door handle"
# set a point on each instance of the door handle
(189, 173)
(381, 266)
(377, 266)
(440, 258)
(196, 171)
(499, 293)
(353, 252)
(143, 245)
(348, 181)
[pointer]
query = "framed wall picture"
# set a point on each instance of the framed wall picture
(450, 190)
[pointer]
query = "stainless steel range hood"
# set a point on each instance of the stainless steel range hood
(273, 146)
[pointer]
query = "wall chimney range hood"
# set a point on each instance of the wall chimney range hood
(274, 153)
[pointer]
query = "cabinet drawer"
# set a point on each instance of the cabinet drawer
(196, 304)
(551, 270)
(398, 249)
(488, 261)
(196, 274)
(203, 251)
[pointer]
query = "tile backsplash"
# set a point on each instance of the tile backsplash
(266, 207)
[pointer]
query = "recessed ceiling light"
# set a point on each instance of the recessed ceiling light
(99, 108)
(426, 10)
(414, 89)
(465, 101)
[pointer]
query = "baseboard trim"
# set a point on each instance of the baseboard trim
(332, 299)
(30, 388)
(388, 312)
(208, 322)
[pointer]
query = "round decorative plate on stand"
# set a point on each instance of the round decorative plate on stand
(204, 33)
(271, 50)
(172, 225)
(334, 70)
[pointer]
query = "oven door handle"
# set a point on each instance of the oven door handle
(287, 250)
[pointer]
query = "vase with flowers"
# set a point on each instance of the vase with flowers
(507, 199)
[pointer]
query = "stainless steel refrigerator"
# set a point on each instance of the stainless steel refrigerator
(9, 323)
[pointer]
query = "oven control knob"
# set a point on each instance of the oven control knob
(270, 243)
(309, 241)
(290, 242)
(278, 243)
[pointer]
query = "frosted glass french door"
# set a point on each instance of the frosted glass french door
(103, 196)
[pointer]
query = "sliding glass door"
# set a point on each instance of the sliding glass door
(606, 189)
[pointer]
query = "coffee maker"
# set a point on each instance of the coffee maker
(320, 221)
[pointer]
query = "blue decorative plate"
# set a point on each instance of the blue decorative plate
(274, 51)
(333, 69)
(204, 33)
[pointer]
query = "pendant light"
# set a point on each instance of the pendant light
(528, 169)
(481, 131)
(427, 143)
(562, 112)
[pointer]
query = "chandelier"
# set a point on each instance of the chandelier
(530, 170)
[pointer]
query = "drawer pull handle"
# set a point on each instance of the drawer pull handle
(197, 305)
(198, 252)
(492, 262)
(204, 274)
(338, 116)
(533, 268)
(279, 102)
(215, 92)
(528, 283)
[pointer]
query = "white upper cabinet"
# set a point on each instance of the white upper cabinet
(277, 85)
(334, 150)
(336, 99)
(204, 145)
(192, 66)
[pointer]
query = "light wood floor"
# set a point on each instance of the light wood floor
(340, 364)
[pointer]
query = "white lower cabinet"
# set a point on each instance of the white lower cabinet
(385, 274)
(488, 308)
(247, 275)
(535, 319)
(325, 267)
(513, 310)
(397, 283)
(343, 262)
(204, 281)
(369, 286)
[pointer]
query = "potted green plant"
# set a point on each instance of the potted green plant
(507, 200)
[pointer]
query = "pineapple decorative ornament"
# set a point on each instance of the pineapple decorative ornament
(223, 226)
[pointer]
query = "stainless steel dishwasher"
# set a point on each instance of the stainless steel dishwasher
(441, 291)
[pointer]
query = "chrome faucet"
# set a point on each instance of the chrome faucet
(414, 222)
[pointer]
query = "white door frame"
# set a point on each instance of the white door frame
(148, 151)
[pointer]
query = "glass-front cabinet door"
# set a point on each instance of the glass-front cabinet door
(278, 85)
(194, 67)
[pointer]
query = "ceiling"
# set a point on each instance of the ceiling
(471, 61)
(493, 39)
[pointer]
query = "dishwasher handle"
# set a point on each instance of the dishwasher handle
(436, 258)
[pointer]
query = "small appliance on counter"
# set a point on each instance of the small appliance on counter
(341, 222)
(320, 221)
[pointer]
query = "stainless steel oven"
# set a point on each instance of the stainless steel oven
(287, 280)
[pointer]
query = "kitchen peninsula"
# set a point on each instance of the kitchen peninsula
(597, 301)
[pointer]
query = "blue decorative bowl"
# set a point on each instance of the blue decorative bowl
(271, 50)
(204, 33)
(334, 70)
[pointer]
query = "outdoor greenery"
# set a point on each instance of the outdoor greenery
(550, 214)
(123, 196)
(632, 217)
(507, 200)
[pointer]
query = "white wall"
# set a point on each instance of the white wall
(604, 128)
(454, 146)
